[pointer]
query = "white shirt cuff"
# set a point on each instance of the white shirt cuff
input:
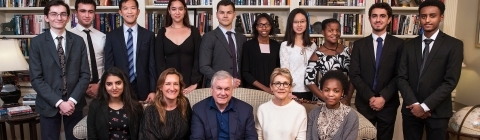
(58, 103)
(73, 100)
(416, 103)
(425, 107)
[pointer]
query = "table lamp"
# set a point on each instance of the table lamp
(11, 59)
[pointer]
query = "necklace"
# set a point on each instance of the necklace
(335, 50)
(176, 27)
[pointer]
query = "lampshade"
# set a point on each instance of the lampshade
(11, 57)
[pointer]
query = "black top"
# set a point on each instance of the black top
(183, 57)
(176, 128)
(118, 121)
(258, 66)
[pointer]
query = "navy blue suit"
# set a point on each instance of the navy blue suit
(241, 122)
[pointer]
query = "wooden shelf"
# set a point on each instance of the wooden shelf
(153, 7)
(332, 7)
(405, 8)
(262, 7)
(406, 36)
(21, 8)
(101, 7)
(17, 36)
(317, 35)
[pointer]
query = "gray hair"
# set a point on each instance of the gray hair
(220, 75)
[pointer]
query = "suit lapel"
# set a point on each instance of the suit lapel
(104, 108)
(418, 52)
(220, 36)
(238, 44)
(122, 41)
(387, 45)
(435, 47)
(232, 122)
(69, 45)
(370, 49)
(51, 47)
(212, 121)
(139, 39)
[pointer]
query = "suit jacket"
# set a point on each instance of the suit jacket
(97, 122)
(215, 54)
(257, 66)
(45, 71)
(241, 122)
(440, 75)
(116, 56)
(362, 70)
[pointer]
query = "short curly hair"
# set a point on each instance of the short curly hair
(337, 75)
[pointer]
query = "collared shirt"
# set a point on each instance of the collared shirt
(375, 43)
(434, 36)
(135, 37)
(98, 41)
(234, 41)
(222, 119)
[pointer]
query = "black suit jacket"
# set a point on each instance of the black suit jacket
(97, 122)
(362, 70)
(215, 54)
(116, 56)
(45, 71)
(440, 76)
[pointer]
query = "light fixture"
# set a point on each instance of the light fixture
(11, 59)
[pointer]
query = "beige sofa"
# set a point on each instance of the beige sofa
(254, 98)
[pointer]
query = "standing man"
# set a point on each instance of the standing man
(95, 40)
(221, 49)
(60, 73)
(130, 48)
(373, 71)
(429, 71)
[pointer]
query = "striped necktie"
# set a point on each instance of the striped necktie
(131, 65)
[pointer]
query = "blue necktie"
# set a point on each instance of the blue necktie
(131, 65)
(377, 60)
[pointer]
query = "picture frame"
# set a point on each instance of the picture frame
(477, 37)
(192, 17)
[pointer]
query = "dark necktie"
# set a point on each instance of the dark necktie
(93, 60)
(231, 44)
(130, 54)
(61, 56)
(426, 51)
(377, 60)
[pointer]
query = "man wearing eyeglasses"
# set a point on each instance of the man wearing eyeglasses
(59, 73)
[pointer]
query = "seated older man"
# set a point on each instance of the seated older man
(221, 116)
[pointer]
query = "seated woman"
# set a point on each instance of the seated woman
(333, 120)
(169, 117)
(281, 117)
(115, 114)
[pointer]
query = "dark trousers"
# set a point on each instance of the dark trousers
(50, 126)
(384, 120)
(134, 87)
(436, 128)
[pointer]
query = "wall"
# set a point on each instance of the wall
(465, 30)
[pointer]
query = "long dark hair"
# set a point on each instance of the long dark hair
(290, 33)
(160, 102)
(130, 104)
(168, 18)
(270, 21)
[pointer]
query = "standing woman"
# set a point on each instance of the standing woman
(260, 54)
(295, 51)
(331, 55)
(115, 114)
(169, 117)
(176, 45)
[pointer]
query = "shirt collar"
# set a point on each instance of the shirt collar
(225, 30)
(374, 36)
(134, 28)
(434, 36)
(229, 107)
(54, 35)
(81, 28)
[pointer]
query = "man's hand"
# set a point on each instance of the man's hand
(189, 89)
(66, 108)
(378, 103)
(237, 82)
(268, 90)
(345, 101)
(372, 99)
(92, 90)
(426, 115)
(291, 96)
(416, 110)
(150, 97)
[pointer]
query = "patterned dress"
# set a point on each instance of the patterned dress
(118, 124)
(326, 63)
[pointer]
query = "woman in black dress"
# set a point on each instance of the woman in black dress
(115, 114)
(169, 117)
(176, 45)
(260, 55)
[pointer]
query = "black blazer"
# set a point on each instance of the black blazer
(257, 66)
(45, 71)
(97, 122)
(362, 70)
(440, 75)
(116, 56)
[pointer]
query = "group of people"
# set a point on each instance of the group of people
(86, 72)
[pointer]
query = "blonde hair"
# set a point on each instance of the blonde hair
(281, 72)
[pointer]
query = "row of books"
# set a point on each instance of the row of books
(320, 40)
(188, 2)
(23, 3)
(350, 24)
(261, 2)
(202, 21)
(29, 24)
(405, 25)
(107, 2)
(104, 22)
(333, 2)
(406, 3)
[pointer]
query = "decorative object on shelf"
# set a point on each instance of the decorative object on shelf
(465, 123)
(11, 59)
(317, 27)
(238, 25)
(405, 3)
(276, 30)
(7, 28)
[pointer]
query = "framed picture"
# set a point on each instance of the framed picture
(191, 17)
(477, 38)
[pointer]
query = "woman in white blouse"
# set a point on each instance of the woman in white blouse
(295, 51)
(281, 118)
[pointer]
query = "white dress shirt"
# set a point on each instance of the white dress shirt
(98, 41)
(375, 43)
(135, 37)
(294, 60)
(434, 36)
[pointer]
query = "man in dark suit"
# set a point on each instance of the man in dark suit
(221, 116)
(59, 73)
(373, 71)
(221, 49)
(429, 71)
(130, 48)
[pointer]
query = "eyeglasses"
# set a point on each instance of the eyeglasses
(57, 14)
(285, 84)
(264, 25)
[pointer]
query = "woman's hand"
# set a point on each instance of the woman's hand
(189, 89)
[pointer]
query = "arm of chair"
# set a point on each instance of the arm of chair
(80, 129)
(366, 130)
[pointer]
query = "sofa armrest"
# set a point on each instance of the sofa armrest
(80, 130)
